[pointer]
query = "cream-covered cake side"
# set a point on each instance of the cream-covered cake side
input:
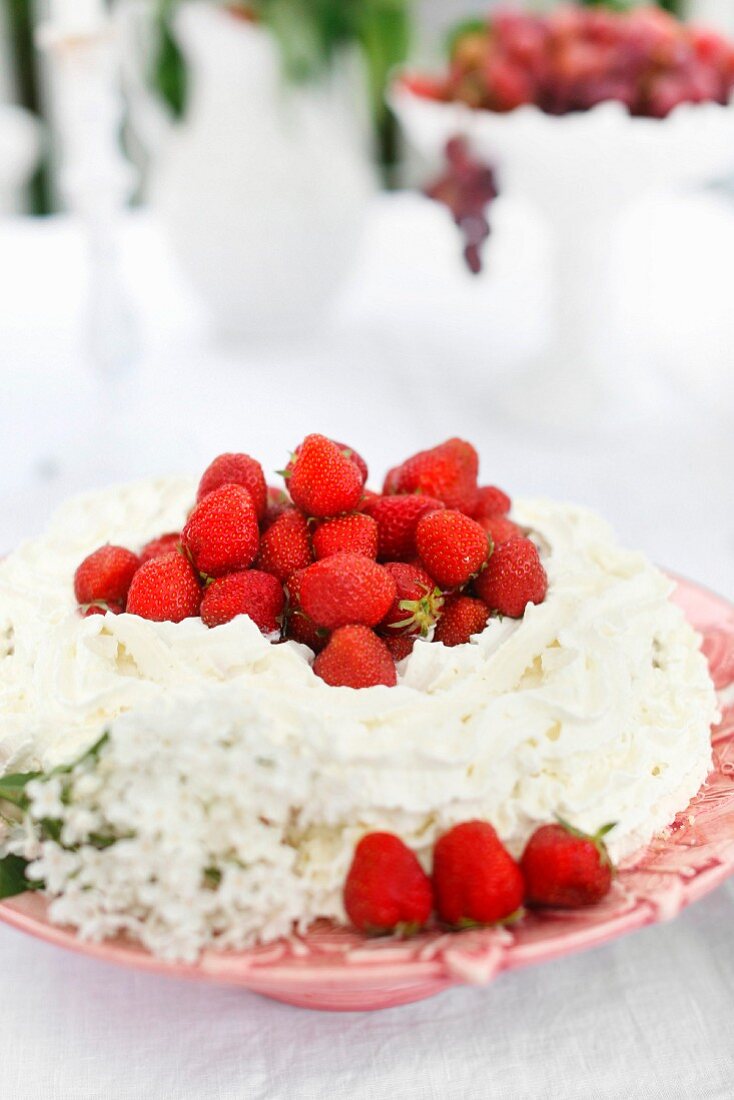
(597, 705)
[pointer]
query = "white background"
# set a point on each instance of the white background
(415, 352)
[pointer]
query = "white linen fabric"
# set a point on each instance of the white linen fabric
(416, 351)
(647, 1017)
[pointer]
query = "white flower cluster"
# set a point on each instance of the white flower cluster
(201, 824)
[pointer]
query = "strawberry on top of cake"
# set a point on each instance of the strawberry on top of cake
(433, 555)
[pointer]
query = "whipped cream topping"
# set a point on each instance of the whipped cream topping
(596, 706)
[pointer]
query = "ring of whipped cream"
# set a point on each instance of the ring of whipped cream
(596, 706)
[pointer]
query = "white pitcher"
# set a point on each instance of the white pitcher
(263, 187)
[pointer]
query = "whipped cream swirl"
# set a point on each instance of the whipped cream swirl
(596, 706)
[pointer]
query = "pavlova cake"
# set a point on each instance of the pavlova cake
(229, 710)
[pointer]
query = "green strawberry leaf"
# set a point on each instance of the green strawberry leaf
(466, 923)
(407, 928)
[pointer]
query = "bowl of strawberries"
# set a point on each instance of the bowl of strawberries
(580, 112)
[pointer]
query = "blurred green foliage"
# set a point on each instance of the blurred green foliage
(19, 20)
(169, 70)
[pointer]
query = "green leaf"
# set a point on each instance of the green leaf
(98, 840)
(385, 37)
(13, 879)
(12, 787)
(298, 35)
(168, 74)
(51, 829)
(212, 878)
(92, 753)
(620, 5)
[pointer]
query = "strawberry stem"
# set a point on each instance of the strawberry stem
(467, 923)
(597, 838)
(422, 613)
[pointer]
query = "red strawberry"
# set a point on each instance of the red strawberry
(400, 645)
(356, 458)
(386, 889)
(323, 481)
(448, 472)
(278, 503)
(462, 617)
(254, 593)
(105, 575)
(221, 534)
(564, 867)
(499, 528)
(368, 498)
(355, 657)
(491, 502)
(392, 478)
(102, 609)
(355, 534)
(165, 589)
(164, 544)
(452, 547)
(417, 604)
(286, 546)
(475, 879)
(346, 450)
(513, 578)
(346, 589)
(298, 626)
(397, 518)
(236, 469)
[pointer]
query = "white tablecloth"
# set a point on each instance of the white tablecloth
(413, 354)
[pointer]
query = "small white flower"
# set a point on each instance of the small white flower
(79, 822)
(54, 867)
(203, 858)
(87, 785)
(23, 841)
(45, 798)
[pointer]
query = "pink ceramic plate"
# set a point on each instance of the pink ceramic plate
(333, 968)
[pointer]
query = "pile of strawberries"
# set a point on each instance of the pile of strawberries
(354, 574)
(474, 880)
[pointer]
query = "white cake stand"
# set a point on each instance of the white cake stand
(579, 170)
